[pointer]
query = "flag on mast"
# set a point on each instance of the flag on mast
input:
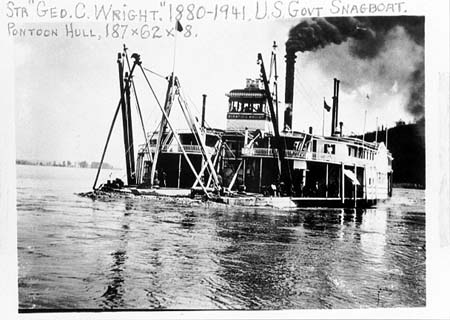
(178, 26)
(326, 106)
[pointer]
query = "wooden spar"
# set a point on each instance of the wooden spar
(175, 135)
(138, 107)
(203, 110)
(120, 104)
(239, 167)
(132, 175)
(273, 64)
(205, 165)
(124, 117)
(235, 175)
(282, 163)
(216, 162)
(253, 140)
(106, 144)
(196, 131)
(162, 127)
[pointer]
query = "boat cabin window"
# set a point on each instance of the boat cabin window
(247, 107)
(352, 151)
(329, 148)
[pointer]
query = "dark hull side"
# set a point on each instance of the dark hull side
(334, 203)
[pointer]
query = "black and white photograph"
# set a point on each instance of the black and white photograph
(271, 156)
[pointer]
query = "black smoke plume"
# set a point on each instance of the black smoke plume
(370, 36)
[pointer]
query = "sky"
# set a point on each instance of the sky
(66, 90)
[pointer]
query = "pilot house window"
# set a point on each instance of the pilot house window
(247, 107)
(329, 148)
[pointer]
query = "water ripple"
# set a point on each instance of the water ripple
(121, 253)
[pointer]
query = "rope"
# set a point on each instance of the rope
(195, 107)
(155, 73)
(138, 108)
(307, 95)
(142, 121)
(189, 119)
(175, 136)
(151, 88)
(308, 100)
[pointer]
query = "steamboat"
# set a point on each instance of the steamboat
(252, 162)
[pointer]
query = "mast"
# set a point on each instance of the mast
(132, 174)
(282, 163)
(273, 64)
(124, 98)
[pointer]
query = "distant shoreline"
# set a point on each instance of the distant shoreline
(79, 165)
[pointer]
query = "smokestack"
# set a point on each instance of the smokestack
(203, 110)
(310, 130)
(340, 127)
(335, 110)
(289, 92)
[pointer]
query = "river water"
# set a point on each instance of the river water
(76, 253)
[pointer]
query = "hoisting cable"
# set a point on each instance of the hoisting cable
(138, 106)
(191, 123)
(142, 121)
(106, 144)
(155, 73)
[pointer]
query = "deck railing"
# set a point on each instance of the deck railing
(301, 155)
(259, 152)
(190, 149)
(270, 153)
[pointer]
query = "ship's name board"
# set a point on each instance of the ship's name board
(243, 116)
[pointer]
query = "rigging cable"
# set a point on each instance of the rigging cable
(138, 108)
(155, 73)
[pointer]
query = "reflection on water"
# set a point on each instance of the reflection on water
(113, 296)
(131, 253)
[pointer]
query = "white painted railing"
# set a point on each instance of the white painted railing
(302, 155)
(258, 152)
(190, 149)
